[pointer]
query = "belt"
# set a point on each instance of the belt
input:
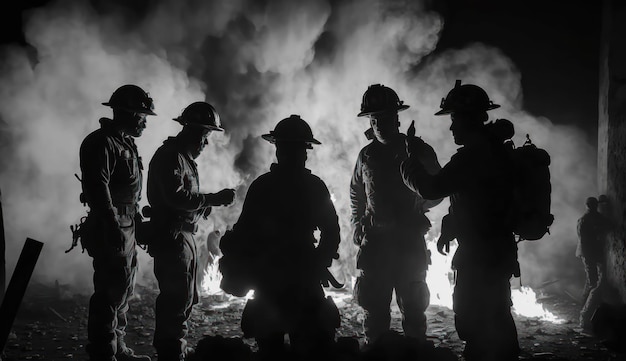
(185, 227)
(126, 209)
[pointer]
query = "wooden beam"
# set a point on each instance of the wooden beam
(17, 287)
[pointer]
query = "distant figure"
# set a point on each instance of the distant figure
(389, 222)
(111, 179)
(274, 241)
(592, 229)
(177, 205)
(479, 181)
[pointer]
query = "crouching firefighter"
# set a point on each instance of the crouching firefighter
(111, 181)
(273, 241)
(176, 206)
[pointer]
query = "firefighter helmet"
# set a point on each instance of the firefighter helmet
(591, 202)
(466, 98)
(292, 129)
(379, 98)
(201, 114)
(131, 98)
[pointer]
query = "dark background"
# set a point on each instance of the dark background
(554, 43)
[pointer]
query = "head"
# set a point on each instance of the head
(195, 138)
(385, 125)
(381, 105)
(293, 137)
(199, 120)
(465, 126)
(131, 106)
(592, 203)
(467, 105)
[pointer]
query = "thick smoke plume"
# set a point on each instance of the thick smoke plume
(257, 62)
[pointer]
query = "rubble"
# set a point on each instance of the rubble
(39, 333)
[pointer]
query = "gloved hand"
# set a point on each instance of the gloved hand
(222, 198)
(206, 212)
(225, 196)
(414, 145)
(359, 234)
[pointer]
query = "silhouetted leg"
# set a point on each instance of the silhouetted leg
(373, 290)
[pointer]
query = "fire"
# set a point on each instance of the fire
(440, 279)
(525, 304)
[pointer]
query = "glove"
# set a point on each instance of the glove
(206, 212)
(359, 234)
(222, 198)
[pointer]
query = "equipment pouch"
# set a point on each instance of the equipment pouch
(144, 232)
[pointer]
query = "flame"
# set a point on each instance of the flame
(211, 279)
(440, 279)
(525, 304)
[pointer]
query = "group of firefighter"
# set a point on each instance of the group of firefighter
(273, 249)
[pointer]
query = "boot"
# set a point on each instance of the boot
(129, 355)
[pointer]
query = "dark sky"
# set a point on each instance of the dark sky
(554, 43)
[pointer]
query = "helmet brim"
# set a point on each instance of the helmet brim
(206, 126)
(449, 111)
(365, 113)
(142, 111)
(272, 139)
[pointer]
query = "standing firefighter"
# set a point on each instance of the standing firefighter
(111, 179)
(274, 241)
(479, 181)
(176, 206)
(389, 222)
(592, 229)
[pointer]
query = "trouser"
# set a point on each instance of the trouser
(114, 280)
(175, 268)
(374, 291)
(592, 294)
(482, 307)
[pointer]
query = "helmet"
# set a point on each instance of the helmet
(591, 202)
(292, 129)
(131, 98)
(466, 98)
(201, 114)
(603, 198)
(379, 98)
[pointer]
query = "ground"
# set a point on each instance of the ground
(51, 325)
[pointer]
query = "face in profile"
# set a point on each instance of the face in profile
(197, 140)
(134, 123)
(463, 125)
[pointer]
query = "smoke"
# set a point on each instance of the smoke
(257, 62)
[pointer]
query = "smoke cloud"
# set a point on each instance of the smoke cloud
(258, 62)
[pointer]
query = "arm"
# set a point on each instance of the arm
(97, 163)
(357, 200)
(441, 184)
(328, 224)
(170, 172)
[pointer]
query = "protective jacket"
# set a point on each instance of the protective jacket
(281, 211)
(592, 229)
(173, 187)
(479, 181)
(381, 202)
(111, 179)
